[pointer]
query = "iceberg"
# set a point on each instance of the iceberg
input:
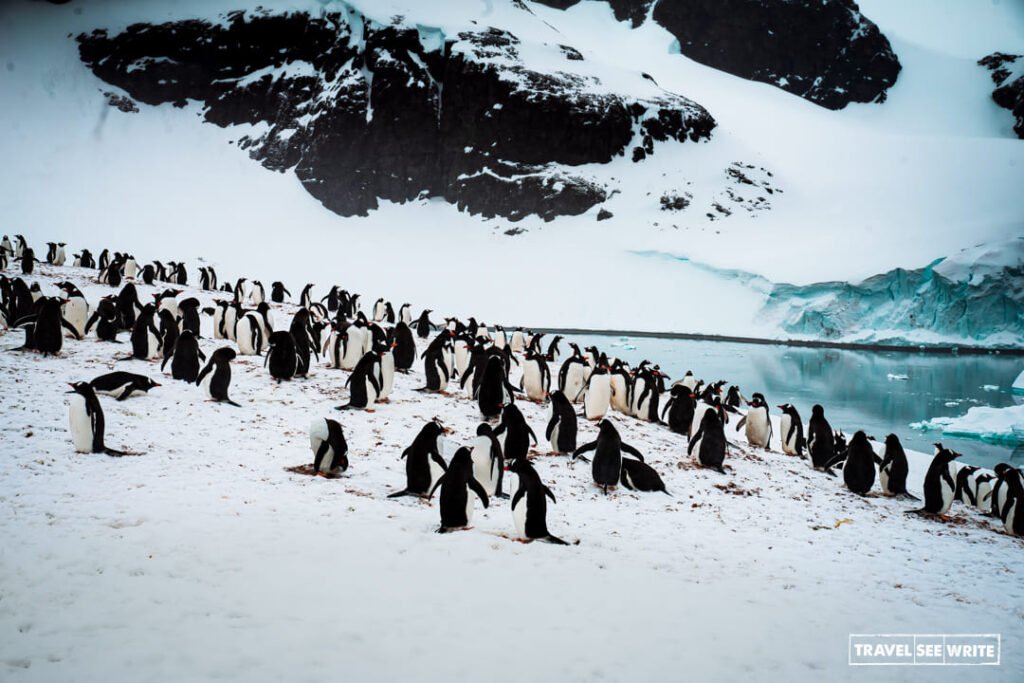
(994, 425)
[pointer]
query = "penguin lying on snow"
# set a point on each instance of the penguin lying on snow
(639, 476)
(457, 483)
(123, 385)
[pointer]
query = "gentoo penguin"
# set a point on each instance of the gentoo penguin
(758, 423)
(688, 381)
(85, 421)
(363, 383)
(306, 298)
(598, 395)
(792, 430)
(939, 486)
(277, 292)
(185, 357)
(166, 300)
(821, 440)
(385, 370)
(76, 308)
(104, 259)
(86, 260)
(123, 385)
(180, 274)
(129, 306)
(1012, 512)
(488, 463)
(168, 333)
(608, 448)
(709, 441)
(997, 496)
(405, 347)
(28, 261)
(131, 267)
(220, 309)
(249, 334)
(59, 256)
(621, 382)
(645, 393)
(639, 476)
(330, 451)
(332, 298)
(435, 366)
(5, 245)
(734, 398)
(981, 483)
(893, 469)
(424, 464)
(356, 339)
(106, 318)
(561, 431)
(405, 314)
(304, 339)
(680, 407)
(554, 352)
(282, 358)
(494, 391)
(518, 340)
(536, 377)
(51, 251)
(379, 310)
(188, 315)
(517, 433)
(859, 470)
(529, 505)
(572, 375)
(423, 325)
(257, 295)
(45, 328)
(215, 379)
(458, 485)
(148, 274)
(964, 491)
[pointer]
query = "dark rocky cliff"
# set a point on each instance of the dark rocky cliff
(1009, 92)
(365, 112)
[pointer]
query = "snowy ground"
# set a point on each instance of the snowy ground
(205, 559)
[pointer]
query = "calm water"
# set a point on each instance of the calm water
(854, 386)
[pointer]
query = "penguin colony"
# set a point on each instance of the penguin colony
(459, 356)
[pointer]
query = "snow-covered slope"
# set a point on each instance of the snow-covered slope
(854, 194)
(204, 558)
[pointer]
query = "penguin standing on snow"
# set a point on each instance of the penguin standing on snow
(1012, 512)
(561, 431)
(608, 448)
(709, 441)
(76, 308)
(488, 463)
(964, 492)
(305, 341)
(28, 261)
(106, 319)
(572, 375)
(517, 433)
(277, 292)
(639, 476)
(330, 451)
(536, 377)
(757, 421)
(404, 348)
(185, 358)
(792, 430)
(680, 407)
(123, 385)
(257, 295)
(423, 325)
(435, 367)
(458, 485)
(939, 487)
(997, 496)
(188, 311)
(306, 297)
(85, 421)
(859, 470)
(821, 440)
(494, 391)
(215, 379)
(598, 396)
(363, 383)
(45, 328)
(529, 505)
(893, 469)
(282, 358)
(424, 464)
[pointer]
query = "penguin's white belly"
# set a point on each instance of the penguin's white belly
(519, 517)
(554, 436)
(80, 425)
(983, 489)
(642, 409)
(620, 400)
(470, 497)
(947, 496)
(1011, 515)
(153, 346)
(532, 381)
(246, 337)
(788, 442)
(483, 468)
(218, 319)
(574, 381)
(598, 398)
(696, 448)
(230, 321)
(698, 415)
(76, 311)
(131, 269)
(689, 382)
(387, 375)
(206, 382)
(461, 358)
(517, 341)
(168, 304)
(353, 350)
(499, 340)
(883, 478)
(757, 427)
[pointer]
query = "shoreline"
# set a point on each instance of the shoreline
(934, 349)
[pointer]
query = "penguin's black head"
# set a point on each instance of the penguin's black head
(225, 353)
(483, 430)
(607, 427)
(1002, 469)
(83, 388)
(892, 440)
(817, 411)
(150, 383)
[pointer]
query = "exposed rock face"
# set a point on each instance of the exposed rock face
(364, 112)
(825, 51)
(1008, 75)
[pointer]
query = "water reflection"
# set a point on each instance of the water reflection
(877, 392)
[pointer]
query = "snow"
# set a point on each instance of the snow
(203, 558)
(995, 425)
(860, 185)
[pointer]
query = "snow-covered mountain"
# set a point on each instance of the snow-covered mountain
(752, 168)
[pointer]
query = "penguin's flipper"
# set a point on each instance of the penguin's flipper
(632, 451)
(742, 421)
(126, 393)
(232, 403)
(555, 540)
